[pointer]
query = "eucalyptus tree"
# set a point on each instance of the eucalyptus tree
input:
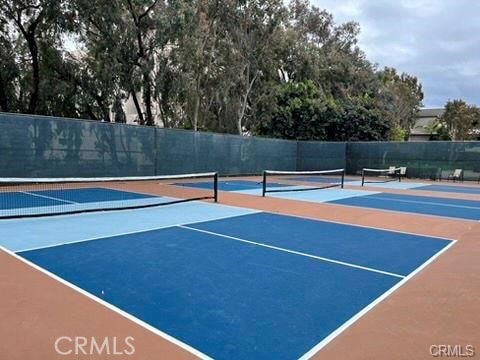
(461, 120)
(29, 25)
(250, 52)
(9, 70)
(124, 40)
(404, 97)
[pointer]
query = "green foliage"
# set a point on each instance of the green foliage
(402, 97)
(397, 134)
(439, 132)
(296, 113)
(300, 112)
(462, 121)
(257, 67)
(361, 123)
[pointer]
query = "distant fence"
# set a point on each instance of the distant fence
(40, 146)
(318, 155)
(430, 159)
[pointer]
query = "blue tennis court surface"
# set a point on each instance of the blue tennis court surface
(321, 179)
(454, 208)
(35, 203)
(228, 185)
(408, 185)
(245, 285)
(26, 199)
(450, 188)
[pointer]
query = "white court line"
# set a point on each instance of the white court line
(364, 207)
(168, 198)
(294, 252)
(111, 307)
(372, 227)
(427, 203)
(49, 197)
(365, 226)
(102, 237)
(252, 211)
(370, 306)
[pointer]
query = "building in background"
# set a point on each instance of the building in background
(424, 126)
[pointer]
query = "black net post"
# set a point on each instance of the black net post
(264, 183)
(215, 187)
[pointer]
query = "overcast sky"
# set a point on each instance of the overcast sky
(438, 41)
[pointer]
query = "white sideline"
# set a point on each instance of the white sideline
(338, 262)
(370, 306)
(48, 197)
(426, 202)
(105, 237)
(111, 307)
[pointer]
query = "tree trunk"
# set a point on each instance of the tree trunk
(147, 97)
(141, 120)
(3, 96)
(196, 108)
(195, 113)
(32, 46)
(244, 103)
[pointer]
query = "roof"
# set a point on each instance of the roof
(433, 112)
(425, 122)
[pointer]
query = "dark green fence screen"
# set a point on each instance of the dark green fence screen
(431, 159)
(315, 155)
(39, 146)
(180, 151)
(34, 146)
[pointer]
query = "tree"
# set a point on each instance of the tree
(402, 97)
(225, 66)
(298, 114)
(124, 42)
(8, 71)
(250, 42)
(461, 120)
(35, 21)
(301, 112)
(195, 55)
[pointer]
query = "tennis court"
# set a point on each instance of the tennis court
(407, 185)
(436, 206)
(287, 263)
(275, 297)
(451, 188)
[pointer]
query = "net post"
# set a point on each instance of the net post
(264, 183)
(363, 176)
(215, 187)
(343, 179)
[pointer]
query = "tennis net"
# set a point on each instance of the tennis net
(31, 197)
(281, 181)
(375, 176)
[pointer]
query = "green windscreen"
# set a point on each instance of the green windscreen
(36, 146)
(432, 159)
(40, 146)
(316, 155)
(187, 151)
